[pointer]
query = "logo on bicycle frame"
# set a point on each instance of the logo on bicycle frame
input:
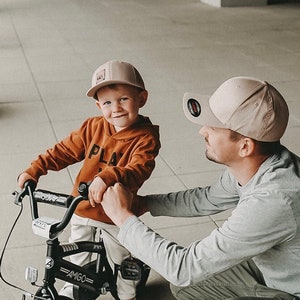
(80, 277)
(49, 263)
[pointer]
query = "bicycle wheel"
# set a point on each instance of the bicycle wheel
(142, 283)
(47, 293)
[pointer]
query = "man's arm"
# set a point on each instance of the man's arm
(246, 234)
(116, 202)
(210, 200)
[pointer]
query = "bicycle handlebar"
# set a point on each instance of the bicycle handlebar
(51, 226)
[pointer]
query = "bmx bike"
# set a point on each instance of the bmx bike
(89, 281)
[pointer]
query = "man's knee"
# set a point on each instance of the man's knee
(185, 293)
(178, 292)
(174, 290)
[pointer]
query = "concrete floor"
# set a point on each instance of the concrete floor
(48, 52)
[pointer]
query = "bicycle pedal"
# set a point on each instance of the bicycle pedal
(130, 269)
(31, 274)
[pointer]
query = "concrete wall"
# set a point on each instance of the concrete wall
(232, 3)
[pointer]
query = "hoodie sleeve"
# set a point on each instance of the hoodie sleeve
(68, 151)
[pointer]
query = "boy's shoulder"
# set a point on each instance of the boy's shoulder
(142, 128)
(145, 123)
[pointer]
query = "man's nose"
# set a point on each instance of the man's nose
(203, 131)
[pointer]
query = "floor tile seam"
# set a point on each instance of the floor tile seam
(19, 102)
(176, 173)
(34, 80)
(23, 247)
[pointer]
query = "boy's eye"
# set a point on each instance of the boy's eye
(106, 103)
(124, 99)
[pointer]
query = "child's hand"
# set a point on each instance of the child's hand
(96, 191)
(23, 177)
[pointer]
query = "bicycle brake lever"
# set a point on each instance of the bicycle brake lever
(30, 184)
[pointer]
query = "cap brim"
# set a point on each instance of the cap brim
(92, 91)
(196, 108)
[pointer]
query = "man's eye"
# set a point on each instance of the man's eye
(123, 99)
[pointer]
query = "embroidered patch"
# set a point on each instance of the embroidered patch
(194, 107)
(100, 76)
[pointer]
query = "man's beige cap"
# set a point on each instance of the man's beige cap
(115, 72)
(246, 105)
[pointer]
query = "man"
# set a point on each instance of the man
(256, 252)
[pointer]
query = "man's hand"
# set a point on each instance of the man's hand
(117, 202)
(96, 191)
(23, 177)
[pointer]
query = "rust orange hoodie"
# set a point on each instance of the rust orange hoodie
(127, 156)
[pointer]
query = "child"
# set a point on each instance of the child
(119, 146)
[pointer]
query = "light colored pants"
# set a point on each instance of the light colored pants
(84, 229)
(243, 281)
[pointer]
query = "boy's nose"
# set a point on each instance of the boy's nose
(117, 106)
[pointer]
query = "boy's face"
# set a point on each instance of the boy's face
(120, 104)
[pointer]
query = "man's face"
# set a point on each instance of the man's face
(220, 147)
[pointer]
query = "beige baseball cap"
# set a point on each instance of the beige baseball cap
(246, 105)
(115, 72)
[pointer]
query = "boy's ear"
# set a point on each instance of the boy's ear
(143, 98)
(97, 104)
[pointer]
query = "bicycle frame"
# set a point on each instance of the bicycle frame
(89, 281)
(94, 279)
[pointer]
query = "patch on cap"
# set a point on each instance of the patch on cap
(100, 76)
(194, 107)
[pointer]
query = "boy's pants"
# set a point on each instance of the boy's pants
(243, 281)
(84, 229)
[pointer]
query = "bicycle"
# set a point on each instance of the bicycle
(89, 281)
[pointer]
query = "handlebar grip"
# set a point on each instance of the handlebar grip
(30, 184)
(83, 189)
(53, 198)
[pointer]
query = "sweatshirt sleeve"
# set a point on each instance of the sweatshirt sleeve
(139, 166)
(197, 201)
(246, 234)
(69, 151)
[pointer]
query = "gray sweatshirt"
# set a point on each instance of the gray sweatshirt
(265, 226)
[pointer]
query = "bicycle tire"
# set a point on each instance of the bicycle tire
(142, 283)
(51, 294)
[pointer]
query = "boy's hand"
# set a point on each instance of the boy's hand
(96, 190)
(23, 178)
(117, 202)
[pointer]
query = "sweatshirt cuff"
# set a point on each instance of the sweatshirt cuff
(126, 227)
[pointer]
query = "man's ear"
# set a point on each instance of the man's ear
(247, 147)
(143, 96)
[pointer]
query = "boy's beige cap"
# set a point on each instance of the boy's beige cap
(115, 72)
(246, 105)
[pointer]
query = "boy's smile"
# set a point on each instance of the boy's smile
(120, 104)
